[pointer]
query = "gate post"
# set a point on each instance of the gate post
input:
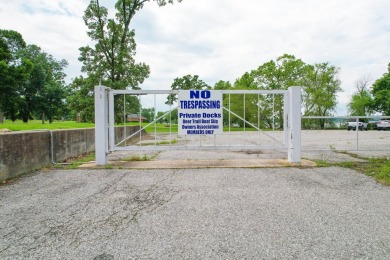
(101, 125)
(294, 124)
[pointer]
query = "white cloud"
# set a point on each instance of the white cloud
(222, 39)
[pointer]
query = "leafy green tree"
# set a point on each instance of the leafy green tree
(381, 94)
(321, 85)
(31, 81)
(14, 70)
(360, 104)
(53, 103)
(160, 115)
(187, 82)
(80, 98)
(172, 117)
(280, 74)
(111, 61)
(236, 102)
(222, 85)
(319, 82)
(361, 100)
(225, 85)
(45, 91)
(148, 113)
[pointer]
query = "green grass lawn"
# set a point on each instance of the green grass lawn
(37, 125)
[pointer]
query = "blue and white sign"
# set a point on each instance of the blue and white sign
(200, 112)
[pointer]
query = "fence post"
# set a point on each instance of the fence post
(357, 134)
(101, 131)
(285, 119)
(111, 122)
(294, 124)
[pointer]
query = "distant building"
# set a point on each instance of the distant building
(135, 118)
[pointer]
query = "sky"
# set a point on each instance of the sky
(222, 39)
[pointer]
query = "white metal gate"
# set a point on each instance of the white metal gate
(104, 123)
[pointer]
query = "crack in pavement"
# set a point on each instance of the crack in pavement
(88, 219)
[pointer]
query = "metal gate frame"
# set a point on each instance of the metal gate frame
(104, 120)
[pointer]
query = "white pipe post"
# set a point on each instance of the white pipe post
(101, 131)
(357, 134)
(285, 120)
(294, 124)
(111, 121)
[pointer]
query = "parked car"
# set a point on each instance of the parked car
(352, 125)
(383, 125)
(372, 124)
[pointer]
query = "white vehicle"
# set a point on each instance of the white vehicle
(383, 125)
(352, 125)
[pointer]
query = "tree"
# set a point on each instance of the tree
(31, 81)
(360, 104)
(361, 100)
(160, 115)
(222, 85)
(235, 102)
(44, 92)
(381, 94)
(321, 85)
(148, 113)
(362, 84)
(80, 98)
(111, 61)
(280, 74)
(14, 71)
(319, 88)
(187, 82)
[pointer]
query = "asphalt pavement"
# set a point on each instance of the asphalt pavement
(197, 213)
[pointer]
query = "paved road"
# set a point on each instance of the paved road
(278, 213)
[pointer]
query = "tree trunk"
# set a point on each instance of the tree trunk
(43, 117)
(322, 123)
(25, 118)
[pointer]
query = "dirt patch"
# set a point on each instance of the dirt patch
(250, 152)
(134, 141)
(4, 130)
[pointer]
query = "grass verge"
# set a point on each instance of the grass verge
(378, 168)
(76, 162)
